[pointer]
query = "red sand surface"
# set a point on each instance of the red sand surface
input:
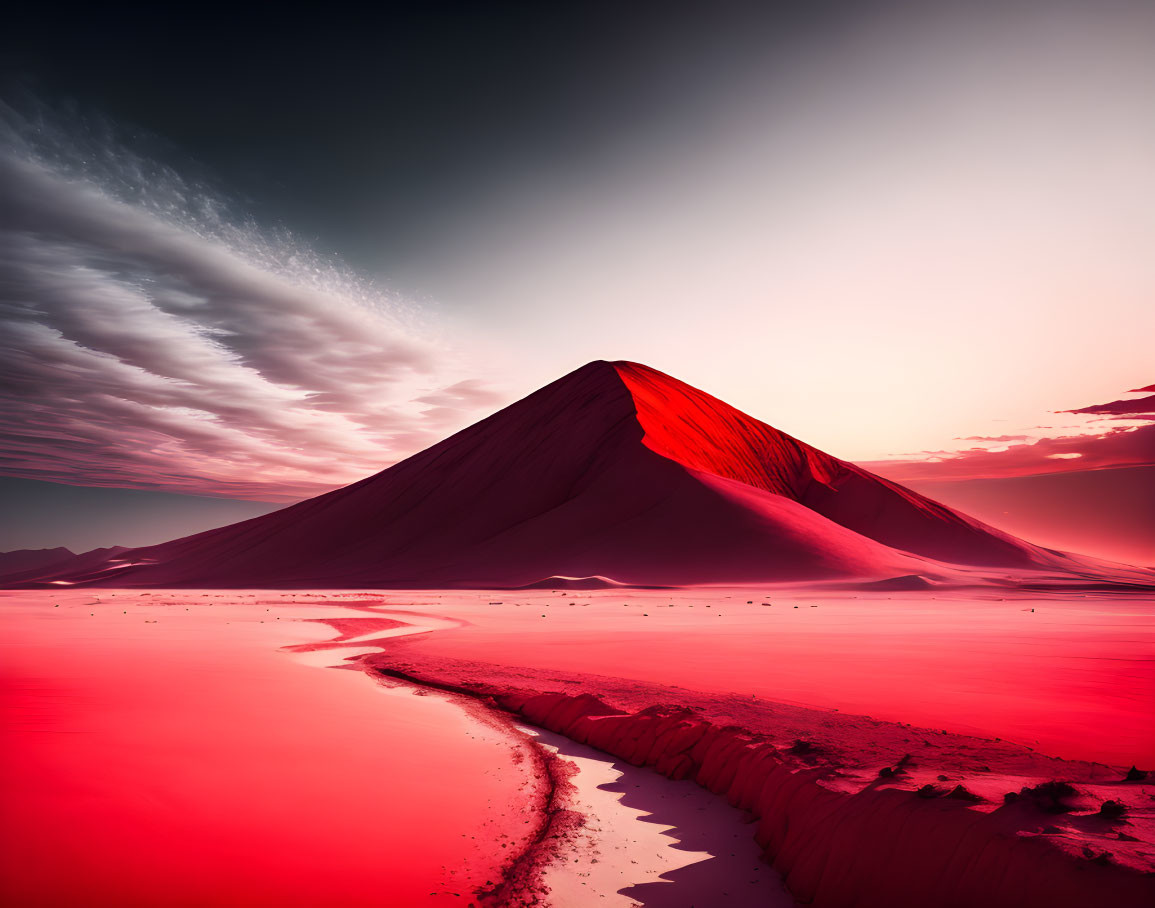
(172, 755)
(615, 470)
(850, 809)
(181, 754)
(1074, 678)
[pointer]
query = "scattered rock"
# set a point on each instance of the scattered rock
(1050, 797)
(1112, 810)
(962, 793)
(1104, 857)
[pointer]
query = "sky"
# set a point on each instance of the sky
(262, 257)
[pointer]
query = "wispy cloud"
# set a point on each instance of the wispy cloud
(1124, 435)
(995, 439)
(148, 340)
(1141, 407)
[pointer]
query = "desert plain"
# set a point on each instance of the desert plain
(769, 745)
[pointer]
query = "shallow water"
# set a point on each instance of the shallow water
(160, 749)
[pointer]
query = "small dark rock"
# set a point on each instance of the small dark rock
(1112, 810)
(1134, 774)
(1103, 857)
(961, 793)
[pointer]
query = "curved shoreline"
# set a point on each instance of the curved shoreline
(519, 880)
(165, 749)
(519, 876)
(838, 830)
(653, 841)
(522, 878)
(880, 846)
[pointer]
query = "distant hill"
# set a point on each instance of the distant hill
(23, 563)
(32, 559)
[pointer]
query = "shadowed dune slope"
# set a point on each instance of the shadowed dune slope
(616, 471)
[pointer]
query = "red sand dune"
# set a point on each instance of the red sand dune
(615, 470)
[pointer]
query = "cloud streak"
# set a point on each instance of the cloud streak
(1097, 448)
(1142, 407)
(148, 341)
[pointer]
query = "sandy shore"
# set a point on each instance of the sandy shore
(1069, 676)
(646, 674)
(649, 841)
